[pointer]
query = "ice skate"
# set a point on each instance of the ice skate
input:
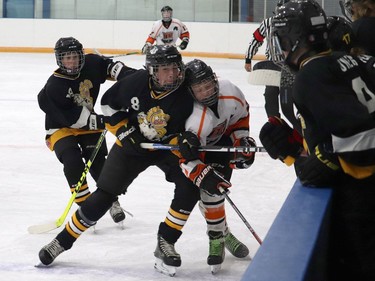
(167, 259)
(117, 213)
(49, 252)
(235, 247)
(216, 251)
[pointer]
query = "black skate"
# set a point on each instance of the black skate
(167, 259)
(49, 252)
(216, 251)
(235, 247)
(117, 213)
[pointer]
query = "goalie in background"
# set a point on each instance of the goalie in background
(72, 126)
(167, 31)
(272, 92)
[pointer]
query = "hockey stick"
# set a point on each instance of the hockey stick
(211, 148)
(225, 193)
(264, 77)
(41, 228)
(115, 56)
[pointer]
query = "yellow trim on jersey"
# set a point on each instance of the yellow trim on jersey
(113, 129)
(357, 172)
(66, 132)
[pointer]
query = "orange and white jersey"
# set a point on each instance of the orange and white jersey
(233, 119)
(167, 36)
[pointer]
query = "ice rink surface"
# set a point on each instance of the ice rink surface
(34, 190)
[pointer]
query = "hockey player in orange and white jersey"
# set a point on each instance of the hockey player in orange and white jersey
(167, 31)
(220, 116)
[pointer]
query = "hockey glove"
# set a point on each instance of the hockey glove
(184, 43)
(243, 160)
(95, 122)
(114, 69)
(280, 140)
(320, 169)
(131, 138)
(146, 48)
(188, 143)
(208, 179)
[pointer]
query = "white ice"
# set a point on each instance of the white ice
(34, 190)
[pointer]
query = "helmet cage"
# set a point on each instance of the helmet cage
(203, 83)
(66, 47)
(346, 9)
(206, 91)
(178, 75)
(165, 56)
(297, 24)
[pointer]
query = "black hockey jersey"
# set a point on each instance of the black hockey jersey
(68, 101)
(335, 96)
(158, 115)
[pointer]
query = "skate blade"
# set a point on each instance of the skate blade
(121, 225)
(215, 268)
(164, 269)
(39, 264)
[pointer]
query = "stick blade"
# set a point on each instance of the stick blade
(264, 77)
(42, 228)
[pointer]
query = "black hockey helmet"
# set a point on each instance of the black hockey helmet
(298, 24)
(280, 3)
(202, 81)
(67, 46)
(166, 13)
(340, 33)
(164, 56)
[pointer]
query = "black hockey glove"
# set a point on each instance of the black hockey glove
(208, 179)
(114, 69)
(95, 122)
(131, 138)
(320, 169)
(184, 43)
(189, 144)
(243, 160)
(280, 140)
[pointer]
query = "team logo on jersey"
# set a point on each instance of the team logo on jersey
(167, 37)
(217, 132)
(83, 98)
(152, 124)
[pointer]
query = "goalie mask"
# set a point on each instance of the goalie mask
(203, 83)
(69, 55)
(165, 66)
(166, 13)
(299, 27)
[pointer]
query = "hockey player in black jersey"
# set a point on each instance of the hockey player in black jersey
(72, 126)
(149, 105)
(335, 95)
(362, 13)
